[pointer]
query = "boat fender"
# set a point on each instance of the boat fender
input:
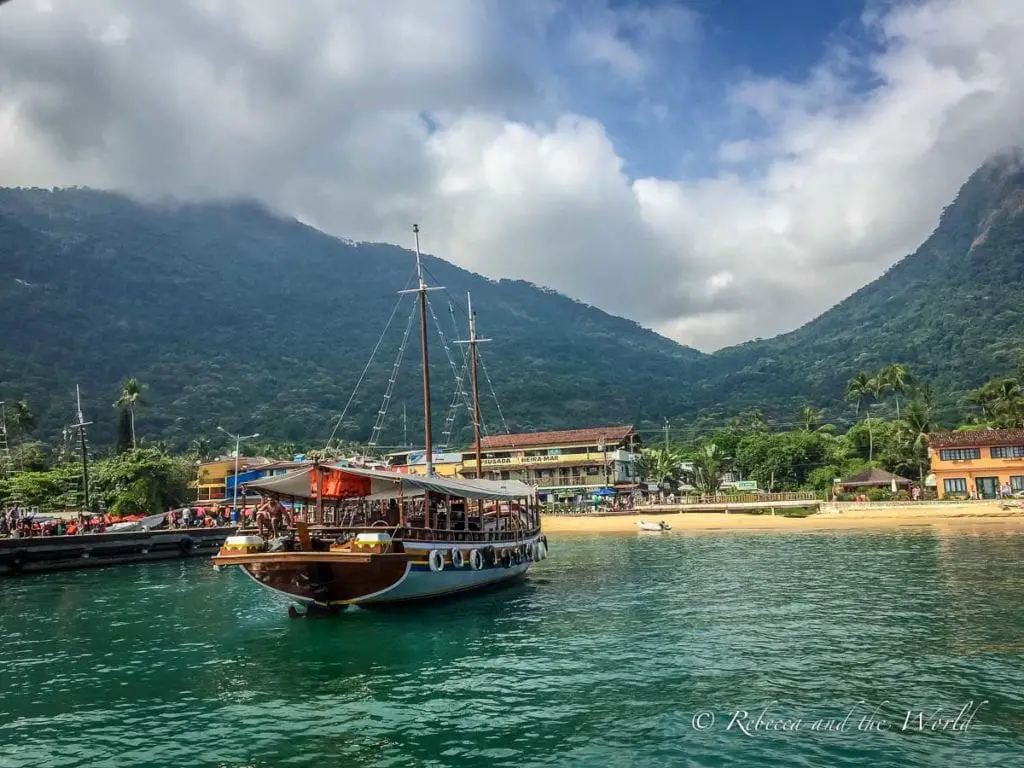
(490, 556)
(517, 556)
(185, 544)
(506, 558)
(476, 560)
(436, 560)
(457, 559)
(542, 552)
(528, 552)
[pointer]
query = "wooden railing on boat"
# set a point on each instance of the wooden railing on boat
(421, 534)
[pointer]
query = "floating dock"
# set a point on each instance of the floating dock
(42, 554)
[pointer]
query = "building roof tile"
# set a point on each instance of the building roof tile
(562, 437)
(976, 438)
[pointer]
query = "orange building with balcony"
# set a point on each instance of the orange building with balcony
(983, 463)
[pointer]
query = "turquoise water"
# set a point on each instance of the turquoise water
(615, 651)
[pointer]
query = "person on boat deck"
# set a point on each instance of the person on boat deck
(263, 521)
(280, 519)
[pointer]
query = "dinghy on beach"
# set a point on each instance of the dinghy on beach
(654, 527)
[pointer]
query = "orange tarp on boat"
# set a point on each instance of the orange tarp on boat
(340, 485)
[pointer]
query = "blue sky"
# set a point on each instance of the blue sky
(671, 120)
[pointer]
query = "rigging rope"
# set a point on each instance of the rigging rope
(453, 408)
(460, 390)
(383, 412)
(452, 303)
(362, 375)
(504, 424)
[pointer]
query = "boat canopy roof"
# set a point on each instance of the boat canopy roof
(357, 482)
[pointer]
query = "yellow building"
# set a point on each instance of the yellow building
(565, 464)
(212, 476)
(983, 464)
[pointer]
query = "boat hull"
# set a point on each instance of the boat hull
(335, 580)
(426, 585)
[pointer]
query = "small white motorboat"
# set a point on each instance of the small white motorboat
(654, 527)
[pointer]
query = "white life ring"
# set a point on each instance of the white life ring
(457, 559)
(476, 560)
(436, 560)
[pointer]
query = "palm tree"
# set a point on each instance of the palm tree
(858, 389)
(709, 466)
(877, 388)
(200, 447)
(131, 398)
(896, 378)
(21, 420)
(1001, 402)
(811, 418)
(919, 418)
(758, 423)
(662, 465)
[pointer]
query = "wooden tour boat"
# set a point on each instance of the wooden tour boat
(382, 537)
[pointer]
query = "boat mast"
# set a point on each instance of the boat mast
(80, 426)
(422, 291)
(473, 341)
(476, 389)
(425, 362)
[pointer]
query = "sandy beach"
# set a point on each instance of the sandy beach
(941, 516)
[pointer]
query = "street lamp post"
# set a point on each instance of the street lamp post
(238, 444)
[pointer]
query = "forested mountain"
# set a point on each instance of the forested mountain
(951, 311)
(234, 315)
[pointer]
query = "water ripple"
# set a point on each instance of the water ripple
(603, 656)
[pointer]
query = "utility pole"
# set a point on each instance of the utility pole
(405, 429)
(238, 447)
(666, 434)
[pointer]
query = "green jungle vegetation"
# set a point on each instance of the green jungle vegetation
(177, 319)
(142, 477)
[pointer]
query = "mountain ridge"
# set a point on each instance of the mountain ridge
(110, 273)
(212, 304)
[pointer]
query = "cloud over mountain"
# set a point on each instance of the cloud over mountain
(466, 117)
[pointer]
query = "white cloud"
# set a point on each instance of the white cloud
(627, 40)
(364, 117)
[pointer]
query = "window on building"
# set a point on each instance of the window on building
(1008, 452)
(955, 485)
(1017, 483)
(959, 454)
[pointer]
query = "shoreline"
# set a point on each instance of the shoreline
(927, 515)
